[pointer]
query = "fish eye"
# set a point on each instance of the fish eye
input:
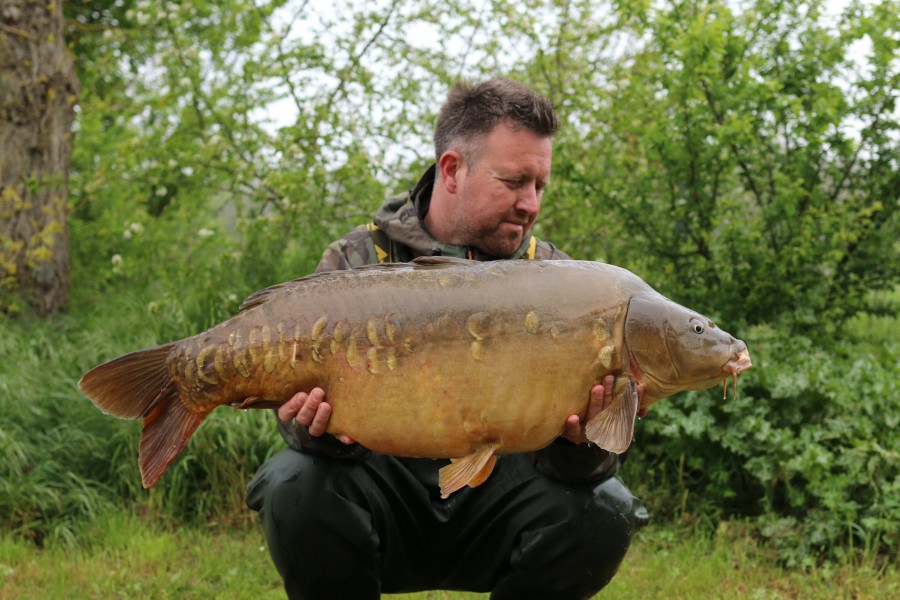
(696, 326)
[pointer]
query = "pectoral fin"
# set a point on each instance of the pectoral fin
(472, 470)
(256, 402)
(485, 472)
(612, 429)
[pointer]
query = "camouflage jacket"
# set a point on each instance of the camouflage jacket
(398, 235)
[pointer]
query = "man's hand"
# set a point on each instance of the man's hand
(601, 398)
(311, 411)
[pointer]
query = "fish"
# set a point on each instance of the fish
(437, 358)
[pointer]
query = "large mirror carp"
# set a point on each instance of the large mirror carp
(440, 358)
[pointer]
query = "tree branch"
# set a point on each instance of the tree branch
(354, 61)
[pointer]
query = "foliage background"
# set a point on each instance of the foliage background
(741, 157)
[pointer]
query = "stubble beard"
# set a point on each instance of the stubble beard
(492, 241)
(490, 238)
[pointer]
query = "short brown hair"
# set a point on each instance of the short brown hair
(473, 109)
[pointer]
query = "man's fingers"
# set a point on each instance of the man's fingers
(320, 419)
(595, 405)
(289, 409)
(609, 382)
(310, 407)
(601, 397)
(310, 410)
(573, 431)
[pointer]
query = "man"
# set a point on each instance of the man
(345, 522)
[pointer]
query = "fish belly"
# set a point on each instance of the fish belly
(445, 402)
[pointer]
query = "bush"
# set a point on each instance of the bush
(808, 447)
(62, 460)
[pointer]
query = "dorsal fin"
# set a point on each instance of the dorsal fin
(261, 296)
(423, 262)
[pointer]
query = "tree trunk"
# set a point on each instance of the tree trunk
(38, 91)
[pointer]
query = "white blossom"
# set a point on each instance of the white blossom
(117, 261)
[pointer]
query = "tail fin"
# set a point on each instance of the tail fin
(138, 385)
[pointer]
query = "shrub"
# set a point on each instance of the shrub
(808, 447)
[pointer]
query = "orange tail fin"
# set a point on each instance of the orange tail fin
(138, 385)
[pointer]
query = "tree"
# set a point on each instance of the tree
(38, 91)
(746, 161)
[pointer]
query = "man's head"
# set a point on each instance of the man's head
(473, 109)
(493, 144)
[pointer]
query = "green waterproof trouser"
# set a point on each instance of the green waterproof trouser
(354, 529)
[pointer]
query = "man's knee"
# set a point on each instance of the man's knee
(613, 495)
(305, 493)
(604, 529)
(282, 480)
(316, 536)
(578, 556)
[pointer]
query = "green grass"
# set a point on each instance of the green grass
(123, 556)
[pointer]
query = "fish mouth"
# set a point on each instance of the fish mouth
(736, 365)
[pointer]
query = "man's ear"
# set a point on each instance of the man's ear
(450, 165)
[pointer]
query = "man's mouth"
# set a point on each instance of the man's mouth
(518, 226)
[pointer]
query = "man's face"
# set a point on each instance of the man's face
(499, 197)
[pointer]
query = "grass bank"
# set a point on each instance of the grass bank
(123, 556)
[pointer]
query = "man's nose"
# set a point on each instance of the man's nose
(529, 200)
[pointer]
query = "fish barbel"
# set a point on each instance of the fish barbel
(439, 358)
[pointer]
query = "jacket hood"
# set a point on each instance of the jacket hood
(403, 220)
